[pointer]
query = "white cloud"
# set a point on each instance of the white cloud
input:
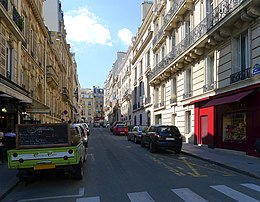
(125, 35)
(83, 26)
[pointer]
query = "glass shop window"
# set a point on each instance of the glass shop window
(234, 127)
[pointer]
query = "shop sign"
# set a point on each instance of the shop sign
(256, 69)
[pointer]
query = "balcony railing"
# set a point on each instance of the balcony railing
(187, 94)
(17, 19)
(65, 92)
(157, 105)
(176, 5)
(8, 75)
(238, 76)
(4, 3)
(147, 100)
(173, 100)
(210, 21)
(209, 86)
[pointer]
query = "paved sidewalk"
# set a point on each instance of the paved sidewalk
(8, 179)
(234, 160)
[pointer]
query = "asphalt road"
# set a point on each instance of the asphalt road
(118, 170)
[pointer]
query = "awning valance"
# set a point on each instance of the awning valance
(37, 107)
(228, 99)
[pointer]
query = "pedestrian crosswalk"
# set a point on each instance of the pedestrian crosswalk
(188, 194)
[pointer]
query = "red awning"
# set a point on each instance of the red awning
(227, 99)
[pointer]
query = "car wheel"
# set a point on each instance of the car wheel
(135, 140)
(142, 143)
(152, 147)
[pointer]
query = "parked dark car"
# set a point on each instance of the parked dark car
(120, 129)
(162, 136)
(136, 133)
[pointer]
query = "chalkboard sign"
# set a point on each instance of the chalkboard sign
(42, 135)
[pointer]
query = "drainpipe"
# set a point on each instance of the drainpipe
(45, 70)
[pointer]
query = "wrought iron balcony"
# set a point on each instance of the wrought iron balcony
(147, 100)
(162, 104)
(52, 78)
(187, 95)
(242, 75)
(209, 86)
(8, 75)
(65, 93)
(210, 21)
(157, 105)
(5, 4)
(159, 35)
(175, 7)
(17, 19)
(173, 99)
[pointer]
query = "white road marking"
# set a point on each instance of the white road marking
(252, 186)
(89, 199)
(140, 197)
(81, 193)
(236, 195)
(188, 195)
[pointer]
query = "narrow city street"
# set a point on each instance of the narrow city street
(118, 170)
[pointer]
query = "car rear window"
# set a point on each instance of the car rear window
(169, 129)
(121, 126)
(143, 129)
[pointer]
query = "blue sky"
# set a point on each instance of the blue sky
(97, 30)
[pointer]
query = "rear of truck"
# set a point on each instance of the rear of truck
(28, 161)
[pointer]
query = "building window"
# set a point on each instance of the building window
(141, 67)
(163, 52)
(209, 73)
(173, 90)
(141, 120)
(162, 95)
(173, 119)
(241, 53)
(156, 58)
(156, 96)
(148, 58)
(234, 127)
(135, 74)
(187, 84)
(9, 61)
(187, 122)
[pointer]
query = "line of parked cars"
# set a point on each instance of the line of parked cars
(82, 130)
(154, 137)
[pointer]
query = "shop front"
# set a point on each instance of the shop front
(230, 121)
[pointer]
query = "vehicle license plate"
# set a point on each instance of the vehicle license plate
(122, 132)
(169, 138)
(44, 166)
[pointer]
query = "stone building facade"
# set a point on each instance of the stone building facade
(204, 75)
(37, 68)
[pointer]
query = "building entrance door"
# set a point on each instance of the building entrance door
(204, 130)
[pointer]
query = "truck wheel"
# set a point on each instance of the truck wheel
(79, 171)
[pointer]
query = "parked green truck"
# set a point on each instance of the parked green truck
(42, 147)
